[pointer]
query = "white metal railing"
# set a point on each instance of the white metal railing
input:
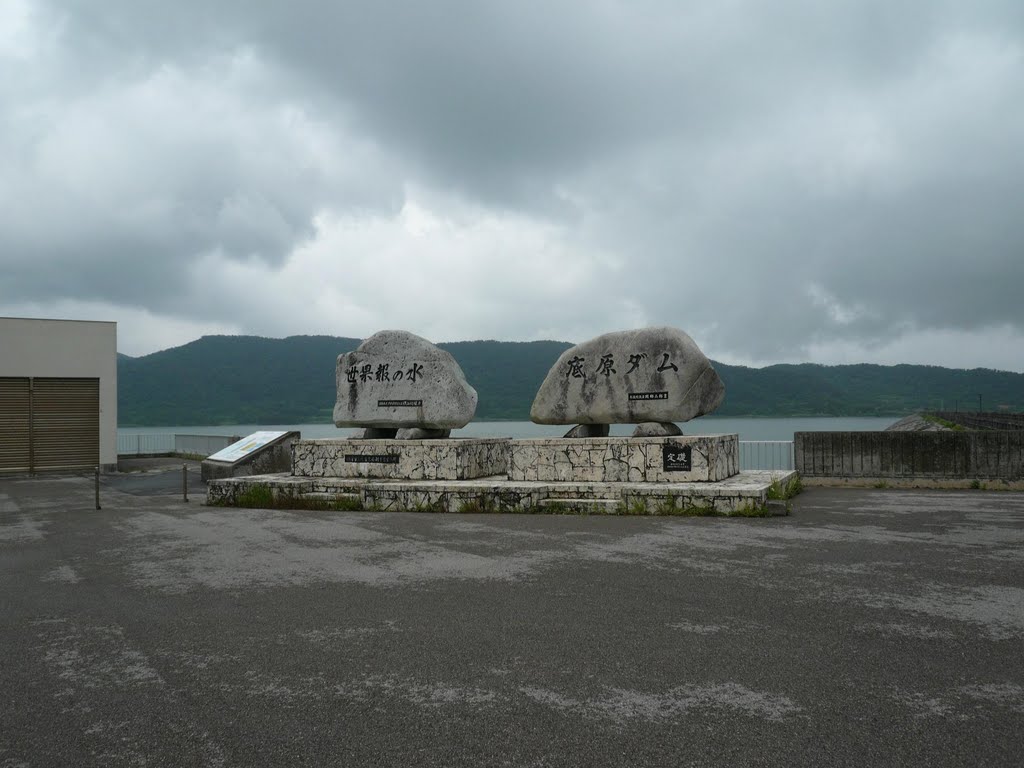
(140, 444)
(766, 454)
(202, 445)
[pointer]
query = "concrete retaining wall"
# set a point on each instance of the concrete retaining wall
(275, 456)
(997, 420)
(937, 455)
(203, 445)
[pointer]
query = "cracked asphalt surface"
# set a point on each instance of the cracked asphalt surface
(868, 628)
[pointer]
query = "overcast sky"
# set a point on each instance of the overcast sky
(786, 181)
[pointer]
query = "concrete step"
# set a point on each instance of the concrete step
(583, 506)
(344, 499)
(334, 485)
(736, 494)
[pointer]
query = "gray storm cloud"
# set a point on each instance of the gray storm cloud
(775, 179)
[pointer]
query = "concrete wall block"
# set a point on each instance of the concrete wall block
(1017, 455)
(822, 462)
(979, 459)
(872, 464)
(998, 455)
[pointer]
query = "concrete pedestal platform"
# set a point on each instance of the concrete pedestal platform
(676, 460)
(744, 492)
(447, 459)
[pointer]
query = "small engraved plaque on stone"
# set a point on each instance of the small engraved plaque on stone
(399, 403)
(648, 395)
(676, 458)
(387, 458)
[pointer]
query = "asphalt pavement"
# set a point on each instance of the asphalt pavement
(870, 627)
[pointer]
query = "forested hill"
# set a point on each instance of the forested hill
(254, 380)
(249, 379)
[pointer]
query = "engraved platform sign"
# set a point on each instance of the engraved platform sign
(676, 458)
(648, 396)
(386, 458)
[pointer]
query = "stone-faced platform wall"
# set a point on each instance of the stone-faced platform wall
(742, 493)
(681, 459)
(449, 459)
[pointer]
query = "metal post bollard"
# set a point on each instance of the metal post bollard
(98, 488)
(184, 482)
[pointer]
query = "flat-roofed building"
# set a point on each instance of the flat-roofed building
(58, 394)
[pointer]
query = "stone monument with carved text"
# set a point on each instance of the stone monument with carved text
(398, 385)
(406, 395)
(652, 377)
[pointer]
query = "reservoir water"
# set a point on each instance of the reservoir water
(750, 428)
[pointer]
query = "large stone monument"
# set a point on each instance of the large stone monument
(398, 384)
(407, 395)
(652, 377)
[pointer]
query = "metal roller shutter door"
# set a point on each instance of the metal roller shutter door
(65, 423)
(15, 407)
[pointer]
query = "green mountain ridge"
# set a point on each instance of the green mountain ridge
(257, 380)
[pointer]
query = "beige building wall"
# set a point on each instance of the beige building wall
(67, 348)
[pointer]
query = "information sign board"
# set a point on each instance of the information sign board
(246, 446)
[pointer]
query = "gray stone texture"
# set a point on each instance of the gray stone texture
(375, 433)
(416, 433)
(738, 492)
(915, 423)
(657, 429)
(622, 459)
(459, 459)
(397, 379)
(589, 430)
(629, 377)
